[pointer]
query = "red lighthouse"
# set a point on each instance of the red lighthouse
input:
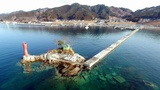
(25, 49)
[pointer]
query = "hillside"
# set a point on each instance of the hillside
(22, 16)
(83, 12)
(145, 15)
(68, 12)
(120, 12)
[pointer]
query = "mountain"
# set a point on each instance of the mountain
(146, 14)
(120, 12)
(68, 12)
(22, 16)
(83, 12)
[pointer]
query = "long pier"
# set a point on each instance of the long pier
(92, 61)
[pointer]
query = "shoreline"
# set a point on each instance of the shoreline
(150, 27)
(83, 24)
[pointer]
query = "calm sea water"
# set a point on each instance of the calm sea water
(134, 61)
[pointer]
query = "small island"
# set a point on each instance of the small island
(63, 58)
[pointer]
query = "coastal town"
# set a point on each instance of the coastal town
(114, 22)
(58, 22)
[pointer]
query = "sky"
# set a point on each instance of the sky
(7, 6)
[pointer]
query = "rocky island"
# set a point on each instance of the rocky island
(63, 58)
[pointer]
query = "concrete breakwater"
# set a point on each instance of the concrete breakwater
(92, 61)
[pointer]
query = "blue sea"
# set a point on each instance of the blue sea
(134, 65)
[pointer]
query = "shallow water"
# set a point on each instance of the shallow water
(135, 60)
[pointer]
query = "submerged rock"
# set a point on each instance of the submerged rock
(119, 79)
(66, 68)
(108, 76)
(151, 85)
(110, 79)
(102, 78)
(114, 74)
(80, 81)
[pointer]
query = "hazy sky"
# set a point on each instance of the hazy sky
(7, 6)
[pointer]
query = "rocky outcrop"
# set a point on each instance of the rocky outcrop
(63, 58)
(68, 69)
